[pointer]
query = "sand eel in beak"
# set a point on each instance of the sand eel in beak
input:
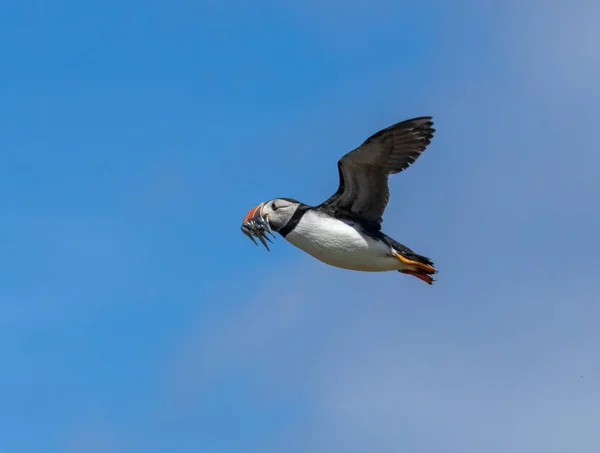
(345, 230)
(255, 225)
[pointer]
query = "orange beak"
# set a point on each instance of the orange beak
(254, 212)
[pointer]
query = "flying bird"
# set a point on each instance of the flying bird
(345, 230)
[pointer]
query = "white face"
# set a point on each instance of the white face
(279, 211)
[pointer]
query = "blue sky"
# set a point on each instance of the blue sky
(135, 316)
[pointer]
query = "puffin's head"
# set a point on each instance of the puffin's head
(267, 217)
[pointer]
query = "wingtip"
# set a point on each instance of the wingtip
(421, 120)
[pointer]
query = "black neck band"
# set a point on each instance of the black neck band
(294, 220)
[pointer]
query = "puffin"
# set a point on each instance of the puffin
(345, 230)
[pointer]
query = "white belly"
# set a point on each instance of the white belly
(338, 244)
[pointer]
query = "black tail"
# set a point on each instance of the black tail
(417, 265)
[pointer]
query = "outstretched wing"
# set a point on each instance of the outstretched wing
(364, 171)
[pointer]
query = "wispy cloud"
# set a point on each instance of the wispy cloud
(498, 356)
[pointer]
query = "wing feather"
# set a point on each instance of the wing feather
(363, 191)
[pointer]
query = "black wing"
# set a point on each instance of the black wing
(364, 171)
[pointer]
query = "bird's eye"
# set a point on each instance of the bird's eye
(274, 207)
